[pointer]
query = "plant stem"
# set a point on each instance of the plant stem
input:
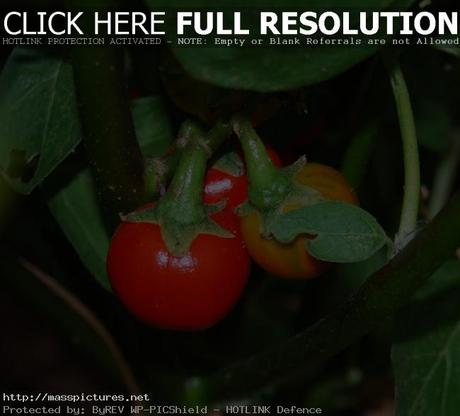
(184, 200)
(372, 306)
(184, 197)
(108, 128)
(262, 174)
(164, 167)
(260, 167)
(411, 200)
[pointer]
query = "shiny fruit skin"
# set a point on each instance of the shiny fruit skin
(221, 186)
(190, 292)
(292, 261)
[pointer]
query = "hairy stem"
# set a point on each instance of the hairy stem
(371, 307)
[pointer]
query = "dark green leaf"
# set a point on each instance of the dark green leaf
(39, 125)
(267, 68)
(343, 233)
(76, 210)
(75, 206)
(153, 128)
(426, 351)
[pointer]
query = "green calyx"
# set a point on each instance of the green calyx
(272, 191)
(181, 213)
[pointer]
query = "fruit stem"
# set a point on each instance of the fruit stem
(411, 200)
(163, 168)
(263, 175)
(184, 198)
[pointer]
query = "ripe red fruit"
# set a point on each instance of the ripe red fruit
(190, 292)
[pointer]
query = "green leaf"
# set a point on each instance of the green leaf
(426, 350)
(266, 68)
(153, 128)
(39, 124)
(75, 206)
(343, 233)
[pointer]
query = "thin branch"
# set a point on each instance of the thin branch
(90, 318)
(411, 200)
(371, 307)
